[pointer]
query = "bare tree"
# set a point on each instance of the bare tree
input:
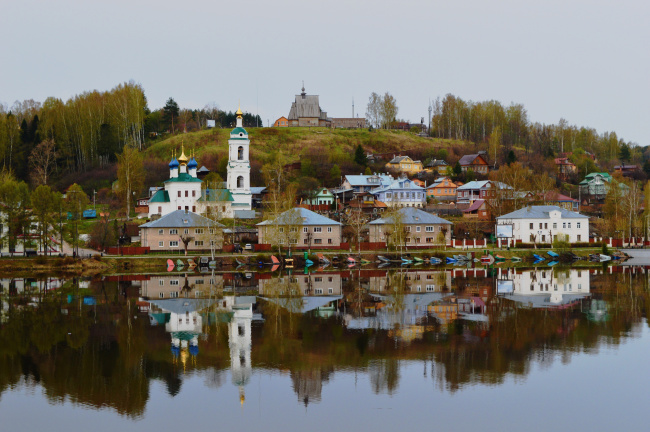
(43, 161)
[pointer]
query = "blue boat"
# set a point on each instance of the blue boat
(308, 263)
(538, 257)
(406, 261)
(451, 261)
(552, 263)
(552, 254)
(434, 260)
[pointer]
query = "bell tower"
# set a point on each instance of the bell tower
(239, 168)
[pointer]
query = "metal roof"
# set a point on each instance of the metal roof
(399, 185)
(160, 196)
(469, 159)
(308, 217)
(306, 106)
(216, 195)
(184, 177)
(542, 212)
(411, 216)
(364, 180)
(181, 219)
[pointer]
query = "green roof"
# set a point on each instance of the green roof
(238, 130)
(216, 195)
(184, 177)
(160, 196)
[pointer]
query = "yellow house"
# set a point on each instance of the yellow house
(404, 164)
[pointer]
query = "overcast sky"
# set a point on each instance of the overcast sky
(587, 61)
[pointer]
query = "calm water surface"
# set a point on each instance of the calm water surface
(379, 350)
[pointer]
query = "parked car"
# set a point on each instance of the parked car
(248, 247)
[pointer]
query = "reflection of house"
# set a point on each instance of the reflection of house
(404, 164)
(311, 229)
(179, 285)
(168, 232)
(422, 228)
(474, 162)
(313, 284)
(401, 193)
(446, 310)
(412, 281)
(443, 189)
(546, 288)
(304, 304)
(543, 224)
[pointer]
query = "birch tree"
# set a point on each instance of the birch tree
(130, 175)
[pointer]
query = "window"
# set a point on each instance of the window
(293, 229)
(161, 295)
(198, 243)
(329, 229)
(199, 282)
(179, 194)
(554, 224)
(173, 231)
(173, 244)
(159, 209)
(330, 290)
(161, 232)
(318, 279)
(193, 193)
(407, 229)
(174, 282)
(173, 294)
(198, 231)
(429, 229)
(429, 240)
(417, 229)
(318, 229)
(318, 291)
(240, 153)
(186, 194)
(389, 195)
(194, 209)
(531, 225)
(293, 241)
(318, 241)
(240, 182)
(563, 224)
(281, 229)
(568, 225)
(161, 282)
(329, 241)
(540, 225)
(579, 238)
(578, 225)
(161, 244)
(545, 226)
(305, 229)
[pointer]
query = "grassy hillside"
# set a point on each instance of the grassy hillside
(294, 142)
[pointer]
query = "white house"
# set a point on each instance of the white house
(401, 193)
(544, 288)
(542, 224)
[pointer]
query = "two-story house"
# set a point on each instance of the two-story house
(301, 228)
(404, 164)
(401, 193)
(169, 232)
(544, 224)
(421, 228)
(475, 190)
(442, 189)
(475, 162)
(365, 183)
(437, 166)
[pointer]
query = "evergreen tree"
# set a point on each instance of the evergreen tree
(170, 114)
(360, 156)
(624, 153)
(511, 157)
(457, 169)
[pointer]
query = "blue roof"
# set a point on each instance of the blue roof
(181, 219)
(363, 180)
(173, 163)
(413, 216)
(542, 212)
(308, 218)
(192, 163)
(400, 184)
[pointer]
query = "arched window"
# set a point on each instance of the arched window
(240, 182)
(240, 153)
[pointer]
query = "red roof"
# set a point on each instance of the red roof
(475, 206)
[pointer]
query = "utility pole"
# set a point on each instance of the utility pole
(430, 110)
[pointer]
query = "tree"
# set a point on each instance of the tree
(335, 174)
(360, 156)
(76, 202)
(388, 110)
(511, 157)
(42, 161)
(457, 169)
(373, 110)
(43, 208)
(14, 196)
(280, 198)
(130, 175)
(103, 234)
(170, 112)
(357, 221)
(624, 153)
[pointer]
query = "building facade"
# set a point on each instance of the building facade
(443, 189)
(474, 162)
(421, 229)
(401, 193)
(545, 224)
(168, 232)
(306, 112)
(301, 228)
(238, 177)
(404, 164)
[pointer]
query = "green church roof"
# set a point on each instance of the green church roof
(160, 196)
(183, 177)
(238, 130)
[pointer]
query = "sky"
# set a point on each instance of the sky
(587, 61)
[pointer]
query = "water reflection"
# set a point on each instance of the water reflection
(466, 326)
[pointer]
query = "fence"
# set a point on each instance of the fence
(128, 250)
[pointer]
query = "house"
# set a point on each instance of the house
(365, 183)
(483, 189)
(442, 189)
(475, 162)
(437, 165)
(401, 193)
(595, 185)
(626, 170)
(477, 210)
(421, 228)
(168, 232)
(349, 123)
(281, 122)
(420, 183)
(564, 167)
(404, 164)
(301, 228)
(543, 224)
(367, 203)
(321, 200)
(216, 203)
(555, 198)
(306, 111)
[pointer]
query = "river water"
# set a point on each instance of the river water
(454, 350)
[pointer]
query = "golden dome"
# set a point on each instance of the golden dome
(239, 113)
(182, 158)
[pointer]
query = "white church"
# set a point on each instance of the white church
(183, 189)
